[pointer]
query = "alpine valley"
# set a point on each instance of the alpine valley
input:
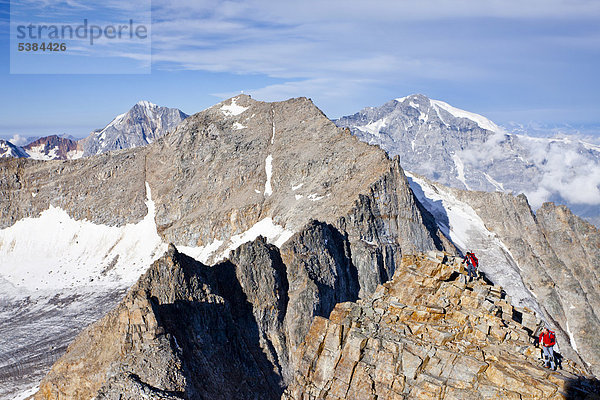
(258, 251)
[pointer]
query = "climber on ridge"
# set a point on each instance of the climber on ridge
(472, 264)
(547, 340)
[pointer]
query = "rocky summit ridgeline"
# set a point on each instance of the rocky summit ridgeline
(226, 175)
(429, 334)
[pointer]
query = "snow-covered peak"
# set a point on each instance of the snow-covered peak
(9, 150)
(480, 120)
(146, 104)
(418, 101)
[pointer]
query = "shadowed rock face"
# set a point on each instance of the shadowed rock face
(426, 334)
(229, 331)
(173, 336)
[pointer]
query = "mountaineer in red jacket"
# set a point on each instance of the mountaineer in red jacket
(472, 264)
(547, 341)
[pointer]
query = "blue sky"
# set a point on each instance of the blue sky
(521, 61)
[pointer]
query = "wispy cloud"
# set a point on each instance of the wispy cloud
(380, 42)
(18, 140)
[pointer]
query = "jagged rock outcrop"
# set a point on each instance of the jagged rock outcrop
(235, 171)
(164, 339)
(429, 334)
(173, 336)
(340, 211)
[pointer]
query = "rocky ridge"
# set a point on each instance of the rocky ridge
(560, 252)
(547, 261)
(250, 168)
(429, 333)
(186, 330)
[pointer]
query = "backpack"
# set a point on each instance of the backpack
(552, 337)
(474, 260)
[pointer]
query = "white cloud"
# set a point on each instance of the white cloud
(18, 140)
(573, 175)
(568, 167)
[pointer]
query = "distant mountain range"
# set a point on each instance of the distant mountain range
(432, 138)
(468, 151)
(142, 124)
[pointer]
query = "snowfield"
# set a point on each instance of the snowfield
(54, 251)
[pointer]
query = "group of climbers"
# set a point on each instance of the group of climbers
(546, 339)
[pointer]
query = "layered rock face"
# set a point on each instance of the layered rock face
(227, 175)
(426, 334)
(229, 331)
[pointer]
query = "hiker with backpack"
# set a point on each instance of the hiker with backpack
(547, 340)
(472, 264)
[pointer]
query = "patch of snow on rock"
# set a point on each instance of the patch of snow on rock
(314, 197)
(269, 171)
(233, 109)
(460, 170)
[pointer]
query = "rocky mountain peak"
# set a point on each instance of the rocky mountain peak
(142, 124)
(186, 330)
(52, 147)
